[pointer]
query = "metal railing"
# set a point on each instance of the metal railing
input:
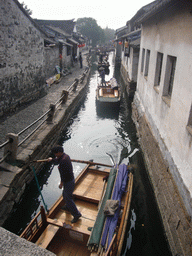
(49, 113)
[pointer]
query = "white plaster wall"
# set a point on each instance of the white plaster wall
(170, 36)
(130, 64)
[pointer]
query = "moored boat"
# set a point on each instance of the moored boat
(101, 229)
(108, 92)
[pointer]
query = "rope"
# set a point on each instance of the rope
(39, 189)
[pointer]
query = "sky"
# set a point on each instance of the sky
(111, 14)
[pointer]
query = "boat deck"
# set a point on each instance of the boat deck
(56, 233)
(87, 194)
(71, 248)
(108, 92)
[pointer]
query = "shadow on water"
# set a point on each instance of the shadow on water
(91, 133)
(106, 111)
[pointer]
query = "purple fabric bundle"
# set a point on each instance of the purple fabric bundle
(119, 189)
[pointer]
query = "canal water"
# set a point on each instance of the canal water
(102, 135)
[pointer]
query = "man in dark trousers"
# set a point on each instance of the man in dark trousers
(80, 60)
(102, 75)
(67, 180)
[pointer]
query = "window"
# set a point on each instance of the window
(142, 60)
(169, 76)
(189, 125)
(158, 69)
(147, 63)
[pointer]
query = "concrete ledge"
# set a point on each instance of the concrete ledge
(12, 244)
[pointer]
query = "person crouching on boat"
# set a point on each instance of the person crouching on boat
(67, 180)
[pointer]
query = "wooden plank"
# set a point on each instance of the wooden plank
(81, 226)
(57, 223)
(60, 247)
(63, 247)
(47, 236)
(85, 198)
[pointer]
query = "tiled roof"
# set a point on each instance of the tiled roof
(65, 25)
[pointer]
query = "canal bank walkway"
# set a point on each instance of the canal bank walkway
(16, 122)
(10, 243)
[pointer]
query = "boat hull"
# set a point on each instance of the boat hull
(106, 94)
(54, 230)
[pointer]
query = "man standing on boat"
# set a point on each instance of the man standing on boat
(102, 75)
(80, 60)
(67, 180)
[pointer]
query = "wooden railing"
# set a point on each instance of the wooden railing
(35, 225)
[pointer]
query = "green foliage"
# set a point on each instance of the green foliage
(88, 27)
(109, 34)
(26, 8)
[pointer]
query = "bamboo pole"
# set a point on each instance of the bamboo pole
(122, 228)
(109, 248)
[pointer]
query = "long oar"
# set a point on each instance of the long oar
(90, 162)
(39, 189)
(77, 161)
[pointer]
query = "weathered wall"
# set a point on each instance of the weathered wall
(129, 85)
(161, 124)
(168, 116)
(130, 63)
(21, 57)
(176, 220)
(51, 59)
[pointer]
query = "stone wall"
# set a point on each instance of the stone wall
(21, 57)
(176, 220)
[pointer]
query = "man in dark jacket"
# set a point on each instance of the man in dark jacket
(80, 60)
(67, 180)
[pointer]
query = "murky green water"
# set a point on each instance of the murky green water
(94, 133)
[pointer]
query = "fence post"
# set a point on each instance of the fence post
(51, 113)
(11, 148)
(64, 96)
(75, 84)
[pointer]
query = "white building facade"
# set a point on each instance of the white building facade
(164, 89)
(162, 112)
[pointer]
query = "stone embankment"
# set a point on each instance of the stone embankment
(175, 218)
(176, 221)
(15, 174)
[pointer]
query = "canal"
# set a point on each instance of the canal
(97, 134)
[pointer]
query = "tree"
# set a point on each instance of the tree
(109, 34)
(26, 8)
(88, 27)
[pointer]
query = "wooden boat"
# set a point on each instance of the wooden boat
(108, 93)
(54, 231)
